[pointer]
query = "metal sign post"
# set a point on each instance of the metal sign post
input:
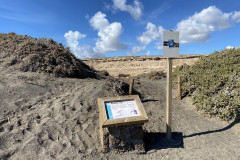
(170, 50)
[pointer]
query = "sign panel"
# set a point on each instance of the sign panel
(121, 109)
(170, 44)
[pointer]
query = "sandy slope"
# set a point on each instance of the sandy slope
(57, 118)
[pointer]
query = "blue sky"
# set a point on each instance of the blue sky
(108, 28)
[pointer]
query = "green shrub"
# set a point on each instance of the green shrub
(213, 82)
(153, 75)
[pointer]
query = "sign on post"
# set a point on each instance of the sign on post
(170, 50)
(170, 44)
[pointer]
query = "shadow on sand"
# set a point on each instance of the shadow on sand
(149, 100)
(236, 120)
(157, 140)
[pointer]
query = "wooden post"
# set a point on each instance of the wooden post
(131, 86)
(169, 99)
(8, 120)
(179, 88)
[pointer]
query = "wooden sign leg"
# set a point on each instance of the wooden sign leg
(131, 86)
(169, 99)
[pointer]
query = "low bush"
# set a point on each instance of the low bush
(153, 75)
(213, 82)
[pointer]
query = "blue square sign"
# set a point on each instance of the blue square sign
(171, 43)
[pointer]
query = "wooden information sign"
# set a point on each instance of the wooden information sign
(120, 120)
(122, 110)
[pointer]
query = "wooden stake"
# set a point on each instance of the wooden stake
(131, 86)
(179, 88)
(8, 120)
(169, 99)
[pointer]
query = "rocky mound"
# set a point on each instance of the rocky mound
(41, 55)
(214, 83)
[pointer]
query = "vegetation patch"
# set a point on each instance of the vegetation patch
(154, 75)
(213, 82)
(41, 55)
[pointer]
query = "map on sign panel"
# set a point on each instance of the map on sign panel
(121, 109)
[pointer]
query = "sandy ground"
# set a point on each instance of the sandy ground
(43, 117)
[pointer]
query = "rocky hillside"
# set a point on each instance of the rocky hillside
(40, 55)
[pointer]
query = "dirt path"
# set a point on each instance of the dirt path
(195, 136)
(57, 118)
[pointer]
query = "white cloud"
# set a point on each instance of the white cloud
(73, 38)
(229, 47)
(99, 21)
(154, 14)
(108, 40)
(152, 33)
(108, 34)
(135, 10)
(136, 49)
(148, 53)
(159, 45)
(198, 27)
(236, 16)
(85, 51)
